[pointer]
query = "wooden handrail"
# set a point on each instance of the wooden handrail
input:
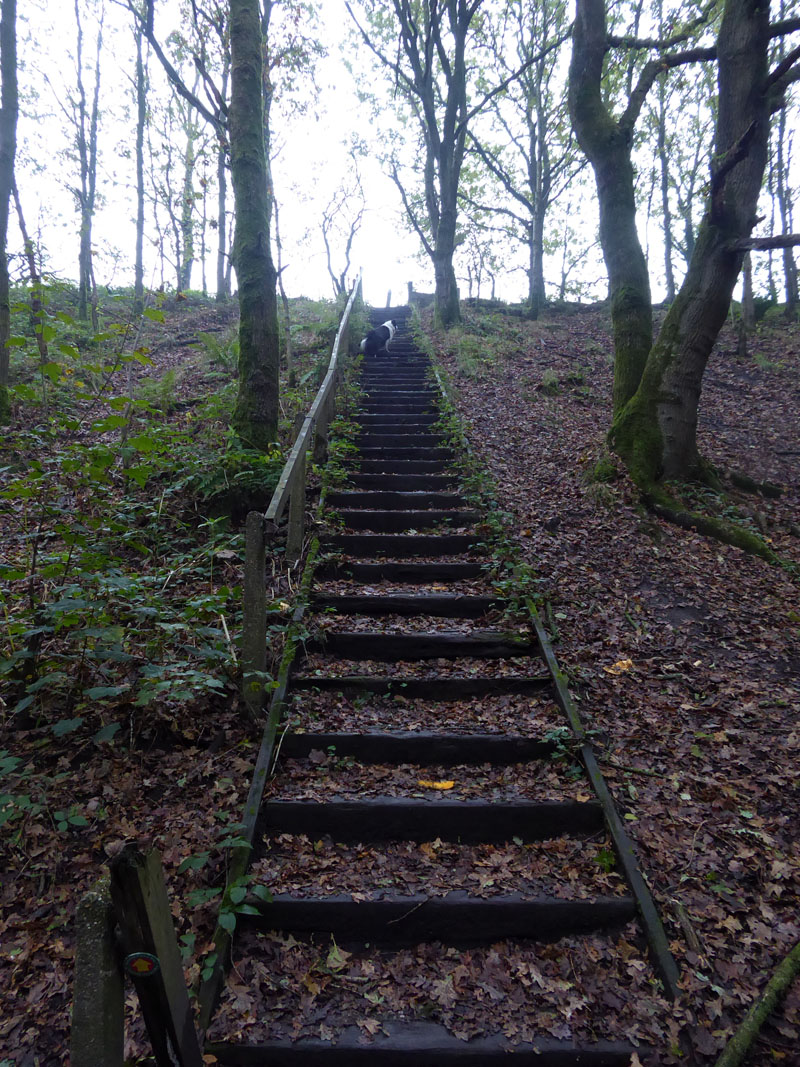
(283, 489)
(262, 527)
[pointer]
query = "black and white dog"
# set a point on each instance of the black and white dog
(378, 338)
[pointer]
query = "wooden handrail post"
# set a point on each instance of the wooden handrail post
(153, 958)
(321, 432)
(297, 512)
(97, 1037)
(254, 614)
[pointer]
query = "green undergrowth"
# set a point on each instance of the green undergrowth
(481, 342)
(122, 490)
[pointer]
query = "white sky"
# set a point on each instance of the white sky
(311, 164)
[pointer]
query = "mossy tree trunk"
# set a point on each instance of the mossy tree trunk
(256, 415)
(446, 307)
(8, 147)
(656, 432)
(607, 144)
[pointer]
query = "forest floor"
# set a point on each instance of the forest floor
(681, 652)
(684, 654)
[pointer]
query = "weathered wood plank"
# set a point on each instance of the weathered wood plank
(396, 521)
(407, 452)
(387, 500)
(443, 571)
(143, 912)
(660, 954)
(402, 545)
(403, 466)
(97, 1037)
(424, 1044)
(378, 439)
(361, 645)
(457, 919)
(403, 482)
(399, 819)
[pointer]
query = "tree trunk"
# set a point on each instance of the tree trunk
(187, 205)
(446, 308)
(747, 319)
(87, 154)
(608, 148)
(656, 433)
(8, 147)
(287, 316)
(537, 294)
(223, 286)
(663, 159)
(141, 117)
(256, 415)
(783, 189)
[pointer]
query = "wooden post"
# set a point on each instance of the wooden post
(153, 958)
(254, 614)
(98, 1007)
(297, 512)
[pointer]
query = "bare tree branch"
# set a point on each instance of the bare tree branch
(780, 29)
(784, 67)
(412, 217)
(763, 244)
(512, 77)
(146, 24)
(399, 73)
(649, 74)
(615, 41)
(501, 174)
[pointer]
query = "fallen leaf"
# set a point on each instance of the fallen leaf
(619, 667)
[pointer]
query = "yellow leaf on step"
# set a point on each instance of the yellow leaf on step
(435, 785)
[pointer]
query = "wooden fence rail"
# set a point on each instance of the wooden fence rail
(125, 925)
(261, 529)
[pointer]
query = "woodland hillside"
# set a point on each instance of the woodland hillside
(681, 651)
(591, 207)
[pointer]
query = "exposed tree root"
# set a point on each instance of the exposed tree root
(750, 485)
(736, 1049)
(725, 532)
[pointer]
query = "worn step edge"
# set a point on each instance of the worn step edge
(392, 452)
(409, 819)
(457, 918)
(372, 439)
(386, 499)
(407, 407)
(396, 521)
(400, 572)
(399, 483)
(405, 545)
(404, 467)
